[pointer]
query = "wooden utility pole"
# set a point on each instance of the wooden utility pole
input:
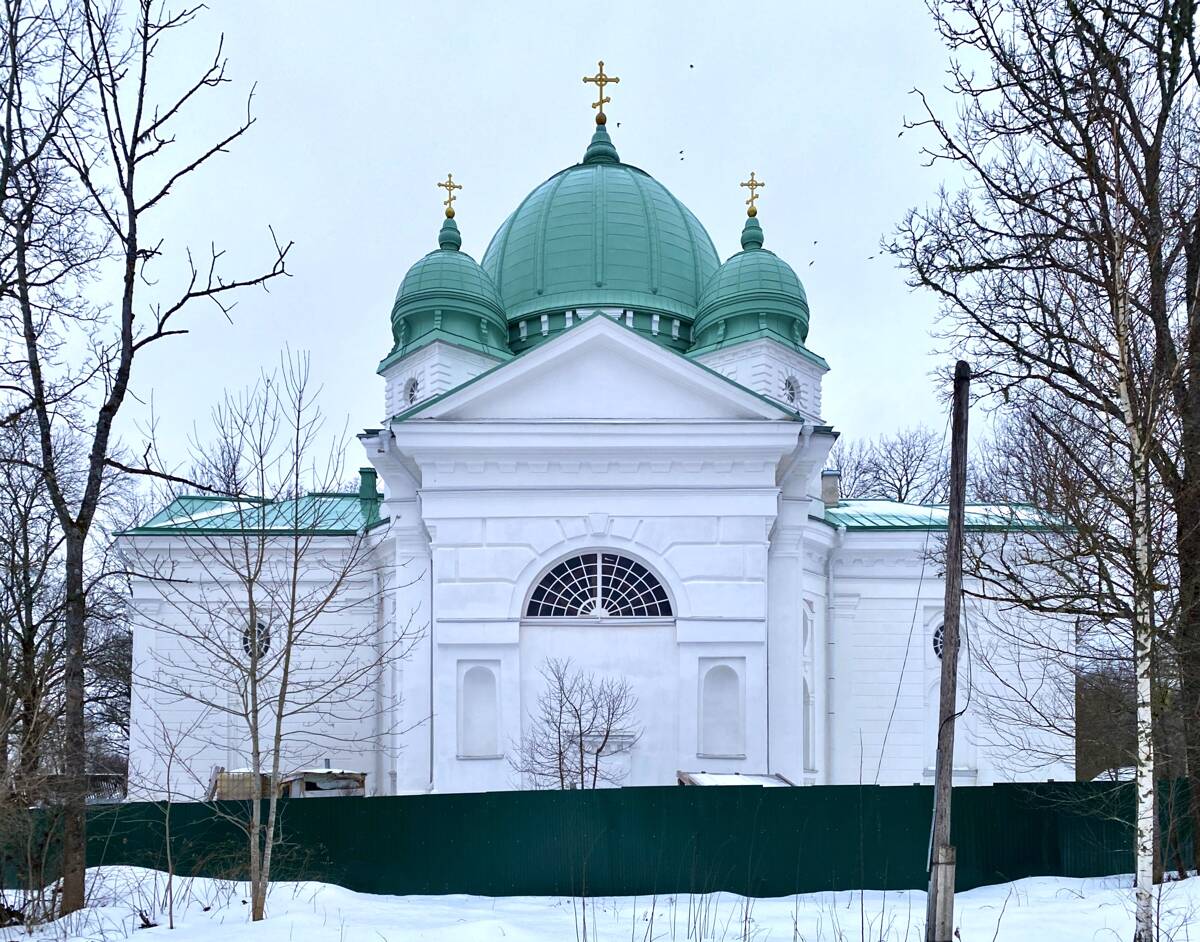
(939, 916)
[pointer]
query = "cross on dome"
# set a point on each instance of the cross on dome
(752, 185)
(450, 186)
(600, 80)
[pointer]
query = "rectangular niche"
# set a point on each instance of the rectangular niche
(479, 710)
(721, 720)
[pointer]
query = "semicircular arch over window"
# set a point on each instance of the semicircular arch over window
(599, 585)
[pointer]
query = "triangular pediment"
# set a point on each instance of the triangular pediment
(600, 370)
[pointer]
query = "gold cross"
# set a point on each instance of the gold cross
(450, 186)
(752, 185)
(600, 80)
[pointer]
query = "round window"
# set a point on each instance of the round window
(791, 389)
(412, 390)
(256, 642)
(939, 640)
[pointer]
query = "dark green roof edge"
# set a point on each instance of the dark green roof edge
(760, 334)
(372, 519)
(451, 340)
(1016, 526)
(216, 531)
(923, 528)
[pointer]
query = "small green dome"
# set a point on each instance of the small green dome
(447, 296)
(600, 234)
(754, 294)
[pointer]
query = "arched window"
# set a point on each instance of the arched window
(478, 729)
(722, 730)
(599, 585)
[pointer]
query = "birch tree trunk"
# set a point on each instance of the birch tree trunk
(1139, 429)
(1143, 648)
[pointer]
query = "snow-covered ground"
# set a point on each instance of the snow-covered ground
(1050, 908)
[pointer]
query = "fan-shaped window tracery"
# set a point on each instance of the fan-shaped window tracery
(599, 585)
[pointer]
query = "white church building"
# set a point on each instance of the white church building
(605, 444)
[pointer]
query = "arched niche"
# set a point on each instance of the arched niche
(478, 710)
(722, 723)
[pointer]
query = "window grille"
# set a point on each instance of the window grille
(939, 640)
(256, 643)
(599, 585)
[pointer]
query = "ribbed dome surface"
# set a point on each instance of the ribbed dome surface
(447, 296)
(754, 292)
(446, 274)
(601, 234)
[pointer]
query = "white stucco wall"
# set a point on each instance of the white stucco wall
(888, 603)
(188, 683)
(601, 441)
(713, 565)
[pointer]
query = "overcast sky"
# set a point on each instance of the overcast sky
(363, 106)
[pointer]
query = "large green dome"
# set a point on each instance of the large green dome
(447, 296)
(754, 294)
(600, 234)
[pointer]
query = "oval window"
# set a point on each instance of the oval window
(257, 642)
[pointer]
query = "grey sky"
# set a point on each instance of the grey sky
(362, 107)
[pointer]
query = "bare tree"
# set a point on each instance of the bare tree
(87, 162)
(581, 724)
(1064, 267)
(32, 613)
(911, 466)
(851, 458)
(1073, 566)
(32, 604)
(31, 609)
(267, 613)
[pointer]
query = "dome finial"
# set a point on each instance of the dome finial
(450, 238)
(752, 234)
(450, 186)
(600, 80)
(601, 149)
(752, 185)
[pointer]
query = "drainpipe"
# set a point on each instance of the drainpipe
(830, 654)
(431, 651)
(383, 706)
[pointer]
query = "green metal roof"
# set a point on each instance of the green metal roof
(324, 514)
(754, 294)
(600, 234)
(891, 515)
(447, 296)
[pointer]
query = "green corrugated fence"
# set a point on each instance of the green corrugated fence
(640, 841)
